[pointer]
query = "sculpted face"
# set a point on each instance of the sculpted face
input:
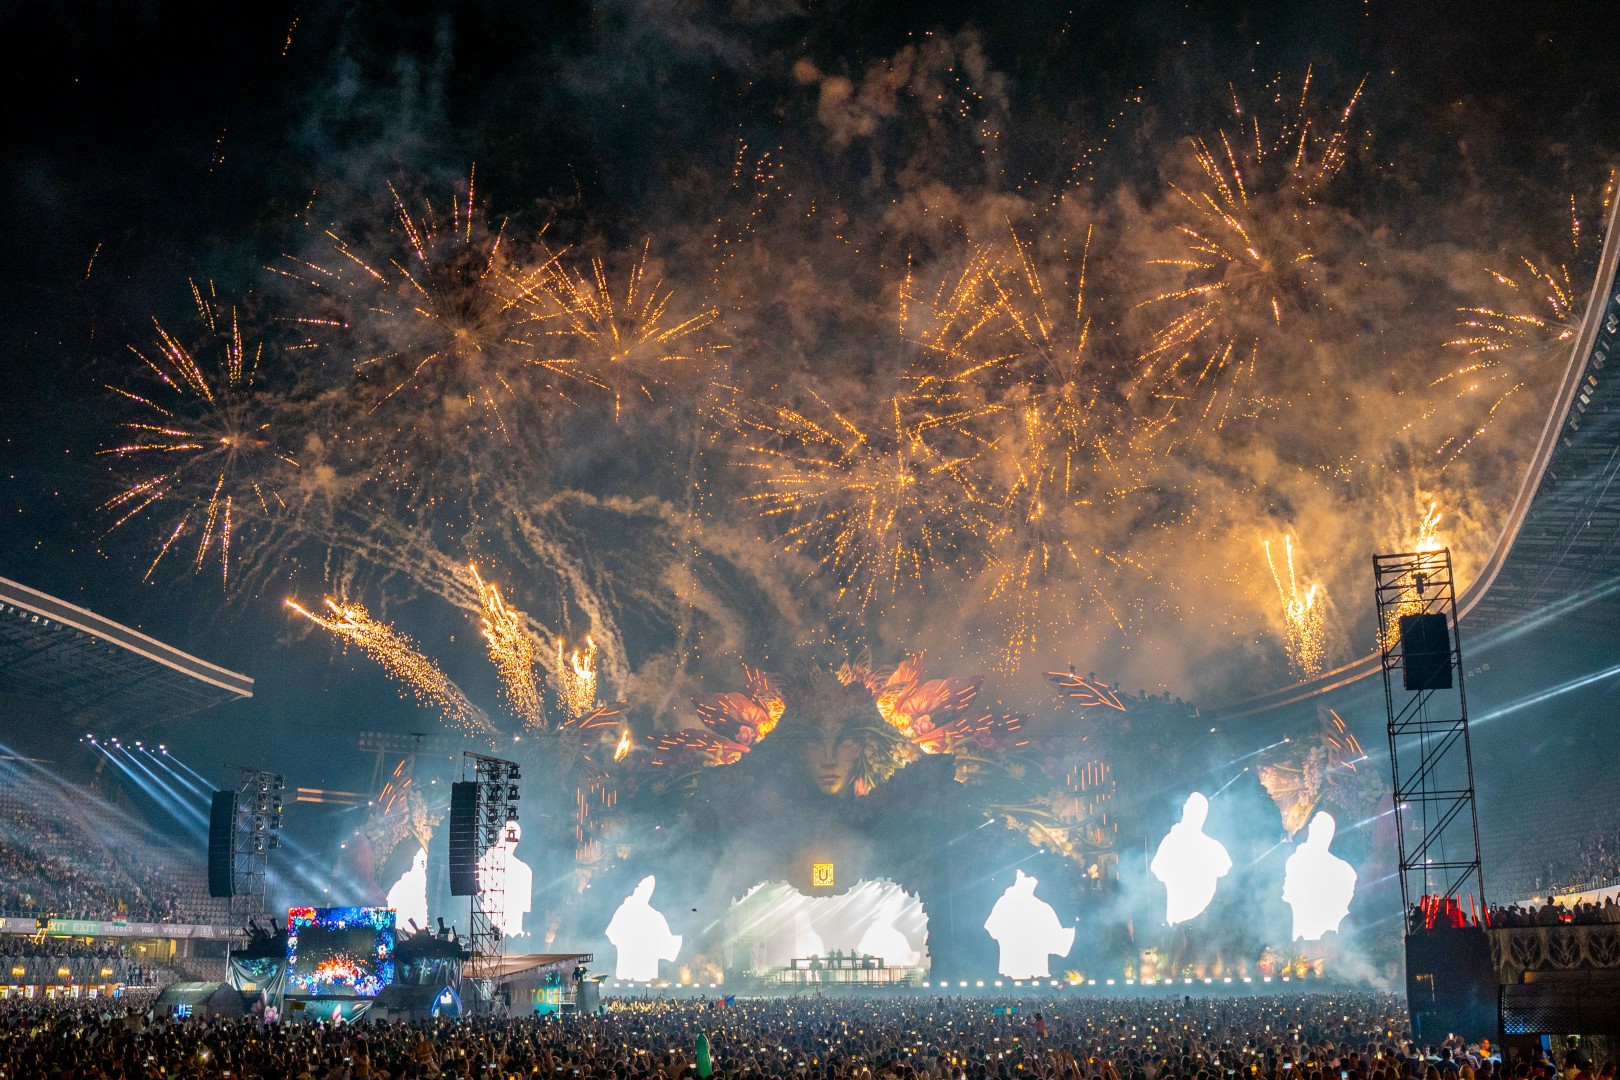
(830, 754)
(834, 732)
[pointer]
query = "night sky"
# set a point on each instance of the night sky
(151, 144)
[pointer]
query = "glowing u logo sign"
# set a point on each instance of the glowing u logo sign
(1189, 863)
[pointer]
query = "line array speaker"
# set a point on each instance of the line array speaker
(464, 838)
(1425, 652)
(221, 844)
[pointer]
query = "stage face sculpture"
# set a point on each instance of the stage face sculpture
(1189, 863)
(843, 742)
(1028, 931)
(1318, 885)
(408, 897)
(640, 934)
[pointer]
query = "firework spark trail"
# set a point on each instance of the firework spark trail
(880, 508)
(512, 651)
(617, 341)
(1247, 260)
(208, 447)
(576, 678)
(1425, 537)
(1428, 538)
(1302, 615)
(400, 657)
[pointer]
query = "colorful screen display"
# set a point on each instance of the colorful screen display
(340, 952)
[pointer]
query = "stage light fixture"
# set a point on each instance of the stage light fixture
(513, 774)
(512, 793)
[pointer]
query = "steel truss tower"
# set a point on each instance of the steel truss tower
(497, 818)
(256, 832)
(1430, 760)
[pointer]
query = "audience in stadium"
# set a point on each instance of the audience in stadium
(1306, 1037)
(1594, 864)
(51, 866)
(1551, 914)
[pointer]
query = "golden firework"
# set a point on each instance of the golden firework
(880, 508)
(1247, 251)
(400, 657)
(1509, 346)
(619, 340)
(512, 651)
(435, 307)
(205, 444)
(1016, 342)
(576, 678)
(1304, 630)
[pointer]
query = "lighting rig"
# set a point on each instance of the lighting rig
(495, 815)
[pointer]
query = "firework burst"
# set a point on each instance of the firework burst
(431, 313)
(204, 450)
(1018, 344)
(622, 338)
(1510, 346)
(879, 507)
(1247, 258)
(1305, 636)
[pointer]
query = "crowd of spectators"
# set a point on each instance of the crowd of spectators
(1593, 864)
(1309, 1037)
(52, 864)
(1552, 914)
(67, 948)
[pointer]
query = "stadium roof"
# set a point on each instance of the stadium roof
(1559, 549)
(93, 671)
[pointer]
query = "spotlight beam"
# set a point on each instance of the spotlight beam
(180, 778)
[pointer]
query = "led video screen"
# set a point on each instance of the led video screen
(340, 952)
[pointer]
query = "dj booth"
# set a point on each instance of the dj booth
(839, 970)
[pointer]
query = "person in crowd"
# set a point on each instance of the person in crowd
(1319, 1036)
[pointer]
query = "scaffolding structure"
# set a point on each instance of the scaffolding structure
(1431, 762)
(255, 832)
(497, 817)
